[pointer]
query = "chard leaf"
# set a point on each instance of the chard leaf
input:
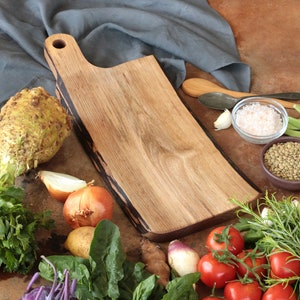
(107, 258)
(181, 288)
(144, 290)
(78, 269)
(134, 274)
(77, 266)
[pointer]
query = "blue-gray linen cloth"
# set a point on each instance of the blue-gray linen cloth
(110, 32)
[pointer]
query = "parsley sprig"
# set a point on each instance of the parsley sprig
(18, 225)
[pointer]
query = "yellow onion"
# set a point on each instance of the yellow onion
(88, 206)
(60, 185)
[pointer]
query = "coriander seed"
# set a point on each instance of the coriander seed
(283, 160)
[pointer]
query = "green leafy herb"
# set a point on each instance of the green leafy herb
(107, 259)
(180, 288)
(144, 290)
(18, 225)
(108, 275)
(280, 228)
(273, 225)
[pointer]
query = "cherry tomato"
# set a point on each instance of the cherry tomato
(223, 237)
(256, 262)
(284, 265)
(213, 272)
(279, 292)
(236, 290)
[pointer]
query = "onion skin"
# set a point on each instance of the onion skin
(58, 195)
(88, 206)
(182, 258)
(60, 185)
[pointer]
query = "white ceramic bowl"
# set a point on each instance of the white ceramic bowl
(258, 130)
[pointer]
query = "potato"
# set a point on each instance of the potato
(79, 241)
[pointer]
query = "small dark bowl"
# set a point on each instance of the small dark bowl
(292, 185)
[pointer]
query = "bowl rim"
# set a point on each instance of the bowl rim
(269, 101)
(282, 139)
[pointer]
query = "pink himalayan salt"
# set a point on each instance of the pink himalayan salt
(258, 119)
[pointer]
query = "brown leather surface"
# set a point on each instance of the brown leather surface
(267, 36)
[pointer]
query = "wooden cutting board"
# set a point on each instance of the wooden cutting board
(165, 172)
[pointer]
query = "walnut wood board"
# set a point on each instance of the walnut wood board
(165, 172)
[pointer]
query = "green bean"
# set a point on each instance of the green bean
(291, 132)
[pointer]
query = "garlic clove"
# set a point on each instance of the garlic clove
(296, 203)
(265, 214)
(60, 185)
(223, 121)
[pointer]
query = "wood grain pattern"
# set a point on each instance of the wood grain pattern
(167, 174)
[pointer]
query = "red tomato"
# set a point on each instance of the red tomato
(256, 262)
(212, 298)
(279, 292)
(224, 237)
(284, 265)
(213, 272)
(236, 290)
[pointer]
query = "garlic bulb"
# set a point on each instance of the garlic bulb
(223, 121)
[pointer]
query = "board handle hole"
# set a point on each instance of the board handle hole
(59, 44)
